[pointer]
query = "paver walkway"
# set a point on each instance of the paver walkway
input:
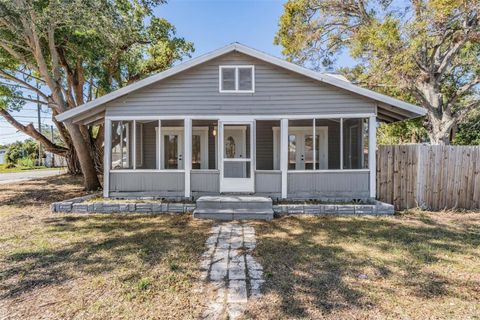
(231, 270)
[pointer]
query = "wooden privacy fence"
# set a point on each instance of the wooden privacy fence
(430, 177)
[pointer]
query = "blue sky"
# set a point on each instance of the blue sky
(209, 24)
(213, 24)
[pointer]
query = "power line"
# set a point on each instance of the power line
(11, 134)
(27, 117)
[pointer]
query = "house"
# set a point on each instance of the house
(237, 120)
(3, 157)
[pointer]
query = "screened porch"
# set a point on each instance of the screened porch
(282, 158)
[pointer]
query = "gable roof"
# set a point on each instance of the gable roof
(395, 109)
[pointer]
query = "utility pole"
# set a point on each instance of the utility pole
(53, 141)
(39, 109)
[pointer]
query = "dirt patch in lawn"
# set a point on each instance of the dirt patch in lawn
(418, 265)
(61, 266)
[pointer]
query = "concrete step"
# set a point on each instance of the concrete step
(234, 205)
(233, 214)
(233, 208)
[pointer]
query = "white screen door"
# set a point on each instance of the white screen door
(236, 160)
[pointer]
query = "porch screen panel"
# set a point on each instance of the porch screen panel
(328, 146)
(301, 145)
(265, 138)
(146, 148)
(236, 169)
(355, 143)
(204, 144)
(172, 144)
(121, 152)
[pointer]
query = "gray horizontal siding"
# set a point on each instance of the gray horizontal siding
(268, 182)
(328, 184)
(205, 181)
(147, 181)
(277, 91)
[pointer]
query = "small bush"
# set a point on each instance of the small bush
(26, 163)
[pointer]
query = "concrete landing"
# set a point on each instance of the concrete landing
(234, 208)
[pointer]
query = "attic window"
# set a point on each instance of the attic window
(237, 79)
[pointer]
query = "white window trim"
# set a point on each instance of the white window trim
(236, 67)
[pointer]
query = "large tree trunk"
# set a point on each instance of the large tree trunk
(439, 121)
(85, 158)
(439, 128)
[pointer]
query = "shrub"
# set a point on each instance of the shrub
(22, 149)
(26, 162)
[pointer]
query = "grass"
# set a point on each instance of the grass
(417, 265)
(94, 266)
(4, 169)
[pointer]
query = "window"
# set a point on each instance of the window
(237, 79)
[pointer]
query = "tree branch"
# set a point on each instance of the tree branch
(468, 26)
(32, 132)
(8, 76)
(463, 90)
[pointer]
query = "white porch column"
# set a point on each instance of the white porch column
(372, 159)
(187, 155)
(134, 145)
(284, 155)
(107, 153)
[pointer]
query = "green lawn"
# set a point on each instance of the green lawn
(94, 266)
(419, 265)
(4, 169)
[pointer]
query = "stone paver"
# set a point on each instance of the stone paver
(230, 269)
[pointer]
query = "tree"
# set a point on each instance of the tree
(429, 49)
(64, 53)
(408, 131)
(469, 131)
(21, 149)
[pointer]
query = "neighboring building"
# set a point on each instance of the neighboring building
(240, 121)
(54, 161)
(3, 157)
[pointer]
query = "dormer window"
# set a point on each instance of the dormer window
(237, 79)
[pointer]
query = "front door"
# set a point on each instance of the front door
(301, 145)
(236, 160)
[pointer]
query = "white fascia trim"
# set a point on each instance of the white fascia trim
(244, 118)
(251, 52)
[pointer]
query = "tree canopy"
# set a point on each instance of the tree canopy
(64, 53)
(427, 50)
